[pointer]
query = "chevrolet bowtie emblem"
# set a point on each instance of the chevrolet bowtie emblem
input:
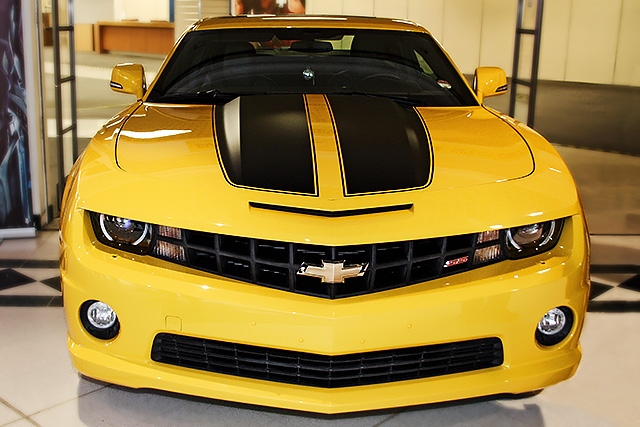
(333, 271)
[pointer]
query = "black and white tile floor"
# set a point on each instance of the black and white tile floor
(40, 387)
(36, 283)
(26, 283)
(29, 275)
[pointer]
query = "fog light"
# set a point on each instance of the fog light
(554, 326)
(552, 322)
(101, 315)
(99, 320)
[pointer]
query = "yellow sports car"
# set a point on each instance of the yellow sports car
(318, 213)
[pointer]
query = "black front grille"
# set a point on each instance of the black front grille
(316, 370)
(276, 264)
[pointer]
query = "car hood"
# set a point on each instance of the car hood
(325, 146)
(324, 170)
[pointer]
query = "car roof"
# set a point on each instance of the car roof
(306, 21)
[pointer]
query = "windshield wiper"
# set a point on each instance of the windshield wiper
(212, 96)
(403, 99)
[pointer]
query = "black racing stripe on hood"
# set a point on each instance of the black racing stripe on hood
(265, 143)
(384, 145)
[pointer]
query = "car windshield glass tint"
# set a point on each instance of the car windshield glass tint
(217, 65)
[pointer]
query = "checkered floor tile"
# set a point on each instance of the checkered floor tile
(614, 288)
(30, 284)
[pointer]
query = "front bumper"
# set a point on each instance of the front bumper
(505, 300)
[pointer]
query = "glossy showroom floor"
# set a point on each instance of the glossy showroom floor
(39, 387)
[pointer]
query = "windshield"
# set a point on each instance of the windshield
(215, 66)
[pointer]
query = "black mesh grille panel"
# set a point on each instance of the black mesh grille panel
(327, 371)
(277, 264)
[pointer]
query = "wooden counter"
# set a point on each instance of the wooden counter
(134, 36)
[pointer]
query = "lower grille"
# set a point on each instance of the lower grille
(315, 370)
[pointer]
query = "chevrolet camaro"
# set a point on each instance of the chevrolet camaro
(320, 214)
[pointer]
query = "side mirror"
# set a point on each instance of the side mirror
(129, 78)
(489, 81)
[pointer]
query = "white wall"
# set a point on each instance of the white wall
(583, 40)
(142, 10)
(462, 32)
(555, 39)
(189, 11)
(593, 39)
(91, 11)
(627, 66)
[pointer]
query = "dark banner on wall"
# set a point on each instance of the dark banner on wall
(15, 192)
(273, 7)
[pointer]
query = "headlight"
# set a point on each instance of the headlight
(532, 239)
(122, 233)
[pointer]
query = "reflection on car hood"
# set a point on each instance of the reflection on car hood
(467, 170)
(323, 146)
